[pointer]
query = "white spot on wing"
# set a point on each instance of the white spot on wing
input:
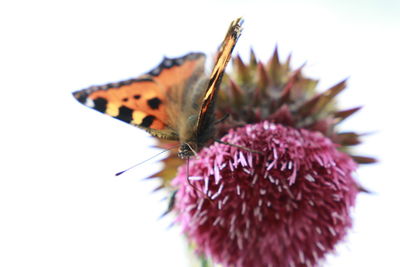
(89, 102)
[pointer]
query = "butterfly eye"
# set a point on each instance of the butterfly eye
(184, 151)
(187, 150)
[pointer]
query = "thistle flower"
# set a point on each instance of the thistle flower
(286, 206)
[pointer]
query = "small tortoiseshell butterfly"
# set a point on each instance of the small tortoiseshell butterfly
(174, 101)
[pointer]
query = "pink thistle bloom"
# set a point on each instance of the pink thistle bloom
(288, 206)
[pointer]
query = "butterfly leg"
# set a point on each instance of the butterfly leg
(222, 119)
(238, 146)
(194, 187)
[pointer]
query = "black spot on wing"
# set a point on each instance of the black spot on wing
(147, 121)
(125, 114)
(136, 96)
(100, 104)
(154, 103)
(80, 96)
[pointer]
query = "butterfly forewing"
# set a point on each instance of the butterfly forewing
(199, 126)
(143, 101)
(224, 55)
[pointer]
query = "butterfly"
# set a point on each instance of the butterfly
(174, 101)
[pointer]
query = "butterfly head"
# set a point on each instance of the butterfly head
(187, 150)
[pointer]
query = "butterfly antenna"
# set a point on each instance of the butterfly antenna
(156, 155)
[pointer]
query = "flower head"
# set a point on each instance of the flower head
(286, 206)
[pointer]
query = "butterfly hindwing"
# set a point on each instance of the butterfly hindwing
(142, 101)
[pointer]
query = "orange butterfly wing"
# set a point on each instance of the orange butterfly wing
(193, 136)
(223, 57)
(142, 101)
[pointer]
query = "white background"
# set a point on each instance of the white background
(60, 204)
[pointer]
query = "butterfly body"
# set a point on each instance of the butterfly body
(174, 101)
